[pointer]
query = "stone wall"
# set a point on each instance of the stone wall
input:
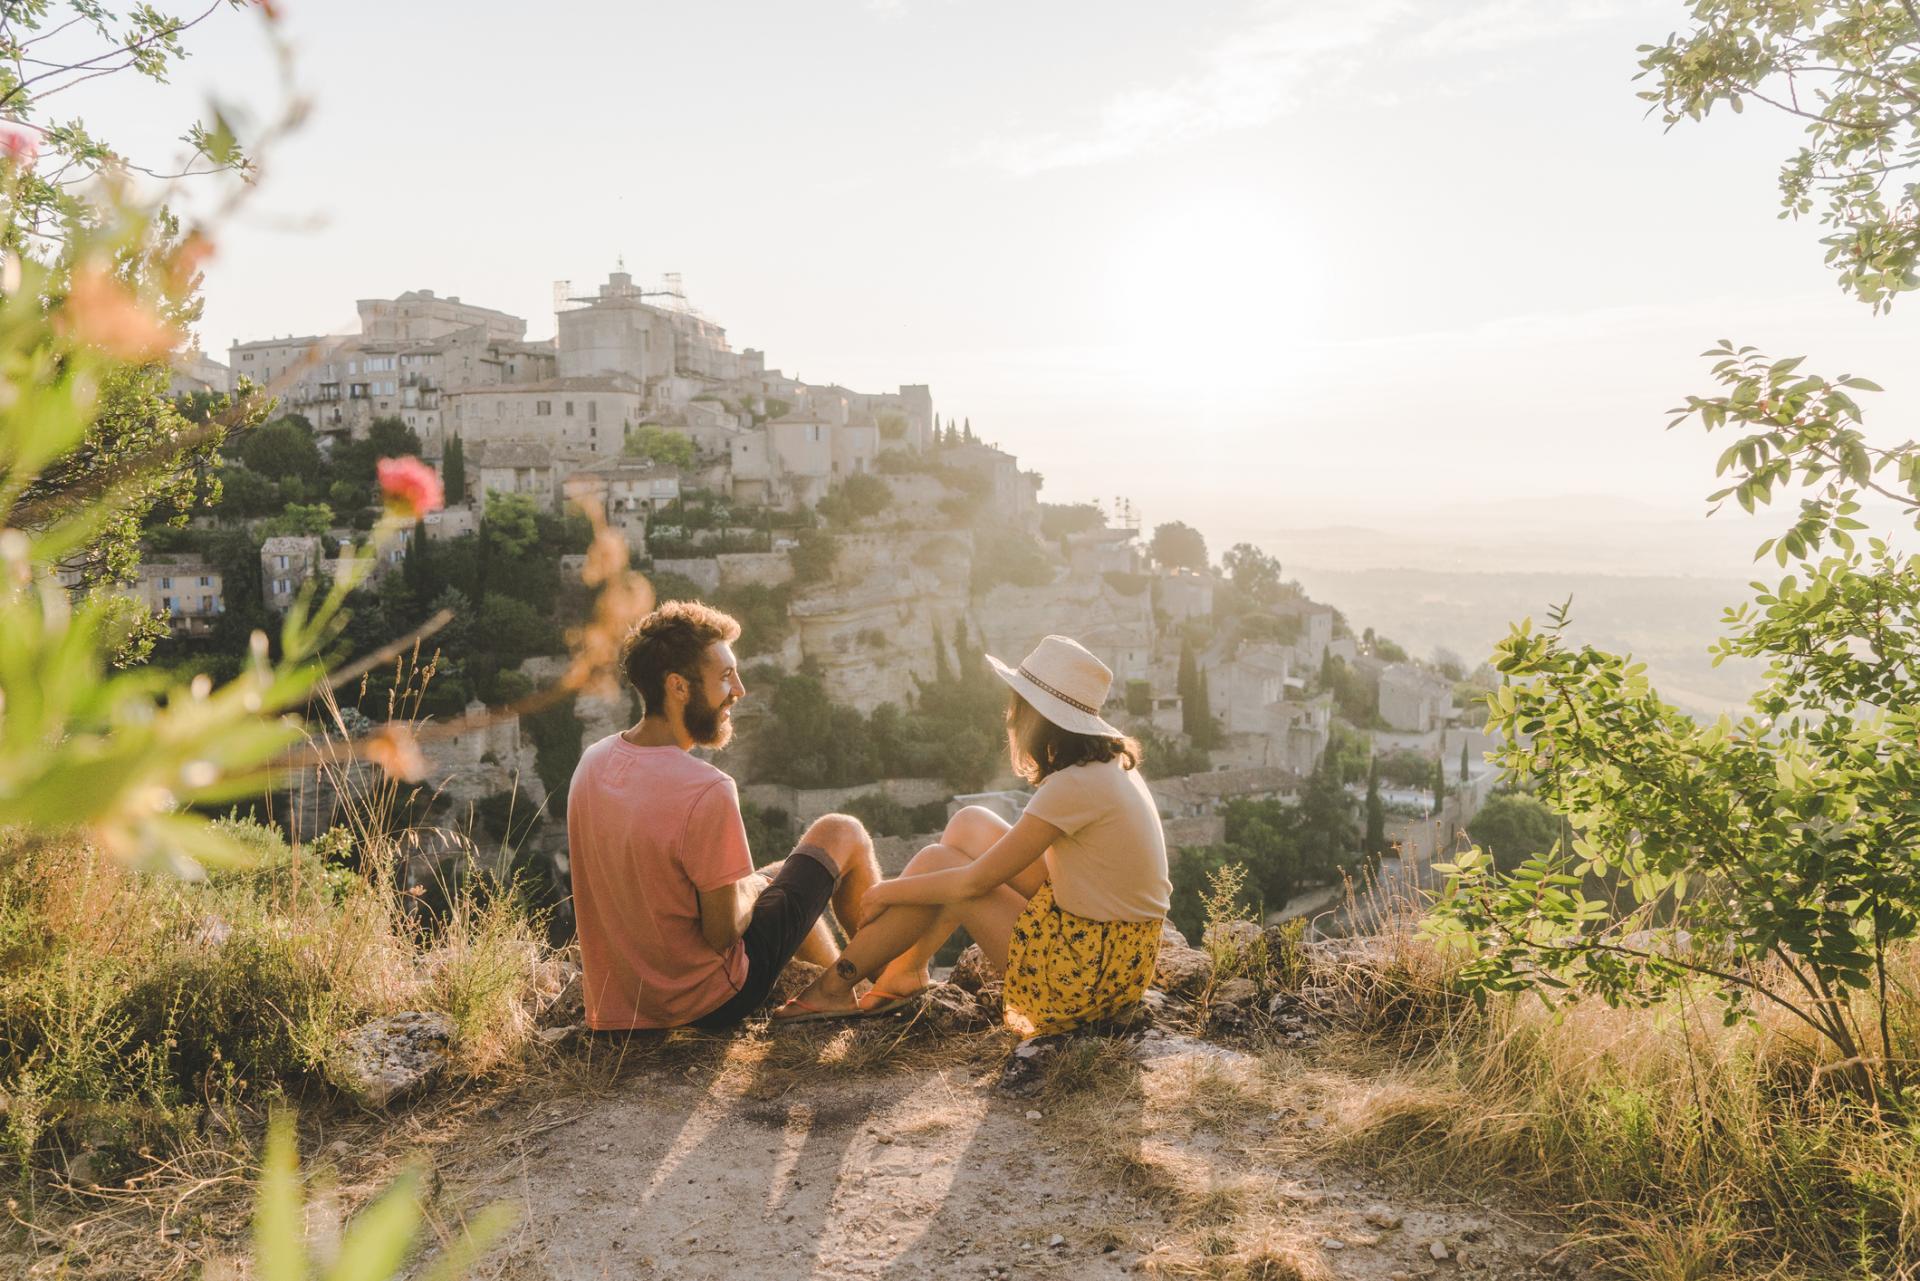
(808, 803)
(703, 570)
(768, 569)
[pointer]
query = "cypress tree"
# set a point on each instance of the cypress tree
(1463, 763)
(1205, 737)
(942, 672)
(1439, 783)
(453, 472)
(1376, 811)
(1188, 684)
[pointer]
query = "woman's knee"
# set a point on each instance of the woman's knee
(974, 828)
(842, 836)
(935, 858)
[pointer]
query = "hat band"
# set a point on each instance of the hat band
(1069, 700)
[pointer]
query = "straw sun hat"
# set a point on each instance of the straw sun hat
(1065, 684)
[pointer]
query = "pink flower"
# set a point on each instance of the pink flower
(410, 487)
(19, 146)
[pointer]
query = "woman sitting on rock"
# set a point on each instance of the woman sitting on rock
(1067, 903)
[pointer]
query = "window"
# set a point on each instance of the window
(569, 409)
(542, 408)
(593, 411)
(166, 603)
(206, 604)
(246, 355)
(205, 581)
(279, 562)
(166, 583)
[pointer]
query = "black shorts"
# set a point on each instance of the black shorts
(782, 918)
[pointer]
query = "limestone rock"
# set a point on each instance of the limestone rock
(971, 972)
(1181, 970)
(387, 1059)
(1236, 992)
(947, 1007)
(795, 979)
(1238, 935)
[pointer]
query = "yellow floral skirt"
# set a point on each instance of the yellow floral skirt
(1065, 970)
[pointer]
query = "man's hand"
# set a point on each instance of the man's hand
(724, 912)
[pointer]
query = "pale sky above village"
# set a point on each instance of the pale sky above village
(1253, 265)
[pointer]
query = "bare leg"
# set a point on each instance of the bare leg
(819, 947)
(846, 841)
(898, 942)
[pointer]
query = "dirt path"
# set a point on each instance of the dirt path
(857, 1153)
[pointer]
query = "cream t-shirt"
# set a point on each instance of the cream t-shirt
(1110, 861)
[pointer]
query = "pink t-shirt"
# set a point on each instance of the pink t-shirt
(647, 829)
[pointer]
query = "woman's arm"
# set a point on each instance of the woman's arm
(1026, 841)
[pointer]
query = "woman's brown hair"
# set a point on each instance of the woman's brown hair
(1038, 747)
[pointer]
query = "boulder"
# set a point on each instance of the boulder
(386, 1060)
(1238, 935)
(1181, 970)
(1240, 992)
(971, 972)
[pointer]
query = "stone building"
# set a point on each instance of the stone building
(512, 467)
(411, 351)
(186, 590)
(287, 561)
(632, 490)
(1414, 699)
(588, 416)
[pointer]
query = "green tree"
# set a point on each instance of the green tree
(1514, 827)
(1780, 842)
(1439, 777)
(310, 519)
(453, 471)
(814, 556)
(1851, 71)
(279, 449)
(514, 631)
(1008, 555)
(1057, 520)
(510, 526)
(660, 445)
(1177, 545)
(1254, 574)
(1463, 764)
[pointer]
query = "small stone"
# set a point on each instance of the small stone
(338, 1147)
(1332, 1243)
(1438, 1249)
(883, 1138)
(1056, 1240)
(1400, 1274)
(1032, 1115)
(1315, 1123)
(1381, 1216)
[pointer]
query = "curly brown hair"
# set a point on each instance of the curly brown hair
(671, 640)
(1038, 747)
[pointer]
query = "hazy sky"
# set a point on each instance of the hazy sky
(1253, 265)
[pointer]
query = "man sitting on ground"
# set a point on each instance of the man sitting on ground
(676, 927)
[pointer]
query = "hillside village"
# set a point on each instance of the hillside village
(861, 536)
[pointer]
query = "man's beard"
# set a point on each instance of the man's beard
(704, 723)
